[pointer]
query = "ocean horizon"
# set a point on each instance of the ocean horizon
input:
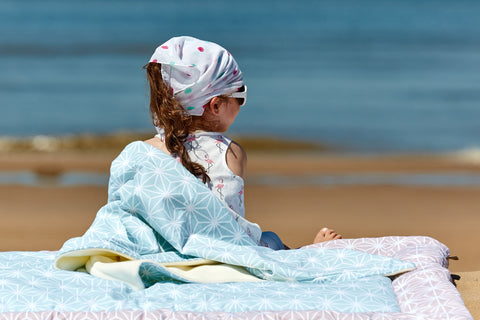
(371, 77)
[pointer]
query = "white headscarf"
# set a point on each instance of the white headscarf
(197, 71)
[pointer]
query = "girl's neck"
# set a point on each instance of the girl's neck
(205, 124)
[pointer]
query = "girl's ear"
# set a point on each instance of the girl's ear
(213, 107)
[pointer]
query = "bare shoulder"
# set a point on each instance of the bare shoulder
(157, 143)
(236, 159)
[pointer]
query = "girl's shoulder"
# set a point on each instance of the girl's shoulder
(157, 143)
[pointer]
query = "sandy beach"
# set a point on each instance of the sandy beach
(280, 196)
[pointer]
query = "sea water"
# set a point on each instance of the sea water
(361, 76)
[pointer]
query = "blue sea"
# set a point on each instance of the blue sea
(363, 76)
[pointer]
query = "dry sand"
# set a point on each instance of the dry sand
(43, 217)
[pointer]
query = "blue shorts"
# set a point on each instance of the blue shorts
(271, 240)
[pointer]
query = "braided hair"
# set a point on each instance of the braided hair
(168, 114)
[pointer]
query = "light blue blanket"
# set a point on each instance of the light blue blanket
(158, 215)
(29, 282)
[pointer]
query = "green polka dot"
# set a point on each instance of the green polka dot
(221, 74)
(190, 108)
(172, 63)
(188, 90)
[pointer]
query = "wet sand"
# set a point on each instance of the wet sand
(43, 217)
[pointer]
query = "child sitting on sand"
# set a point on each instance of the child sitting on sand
(196, 91)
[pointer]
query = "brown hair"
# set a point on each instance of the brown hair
(167, 113)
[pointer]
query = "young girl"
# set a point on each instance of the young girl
(196, 91)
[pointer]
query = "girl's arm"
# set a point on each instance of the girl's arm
(236, 159)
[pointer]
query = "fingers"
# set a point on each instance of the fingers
(326, 234)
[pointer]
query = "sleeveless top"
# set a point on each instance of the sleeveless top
(209, 149)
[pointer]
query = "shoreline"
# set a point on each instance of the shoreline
(267, 155)
(115, 141)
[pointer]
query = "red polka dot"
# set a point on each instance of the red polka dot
(164, 47)
(235, 72)
(200, 49)
(154, 60)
